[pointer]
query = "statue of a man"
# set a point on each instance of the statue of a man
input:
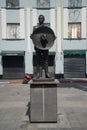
(41, 55)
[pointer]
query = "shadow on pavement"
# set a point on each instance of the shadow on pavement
(28, 111)
(78, 84)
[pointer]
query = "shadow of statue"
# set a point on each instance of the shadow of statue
(28, 110)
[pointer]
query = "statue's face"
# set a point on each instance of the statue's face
(41, 19)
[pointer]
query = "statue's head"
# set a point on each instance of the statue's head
(41, 19)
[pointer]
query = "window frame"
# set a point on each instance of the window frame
(13, 7)
(75, 6)
(74, 23)
(43, 7)
(7, 38)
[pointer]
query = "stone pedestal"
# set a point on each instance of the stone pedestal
(43, 100)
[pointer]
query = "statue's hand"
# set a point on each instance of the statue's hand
(31, 36)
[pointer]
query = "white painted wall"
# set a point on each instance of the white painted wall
(59, 69)
(3, 23)
(22, 24)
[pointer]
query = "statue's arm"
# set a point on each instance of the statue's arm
(34, 28)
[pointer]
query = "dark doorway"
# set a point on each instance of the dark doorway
(74, 66)
(13, 67)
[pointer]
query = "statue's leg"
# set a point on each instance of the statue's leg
(37, 63)
(46, 63)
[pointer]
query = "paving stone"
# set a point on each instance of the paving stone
(72, 111)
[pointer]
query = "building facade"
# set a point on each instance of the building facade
(68, 19)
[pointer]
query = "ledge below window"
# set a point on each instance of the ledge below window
(44, 8)
(74, 39)
(13, 39)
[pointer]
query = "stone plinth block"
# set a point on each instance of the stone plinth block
(43, 100)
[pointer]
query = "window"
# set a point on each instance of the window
(13, 31)
(12, 3)
(74, 30)
(75, 3)
(43, 3)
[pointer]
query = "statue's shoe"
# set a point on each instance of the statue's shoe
(47, 75)
(37, 76)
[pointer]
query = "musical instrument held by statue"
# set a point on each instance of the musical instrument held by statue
(43, 37)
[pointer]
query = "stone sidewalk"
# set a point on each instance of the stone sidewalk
(72, 107)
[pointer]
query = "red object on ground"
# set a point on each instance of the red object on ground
(16, 82)
(27, 77)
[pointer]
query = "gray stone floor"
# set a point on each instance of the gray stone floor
(72, 108)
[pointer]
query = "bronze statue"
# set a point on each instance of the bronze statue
(43, 38)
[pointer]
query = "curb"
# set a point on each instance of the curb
(73, 80)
